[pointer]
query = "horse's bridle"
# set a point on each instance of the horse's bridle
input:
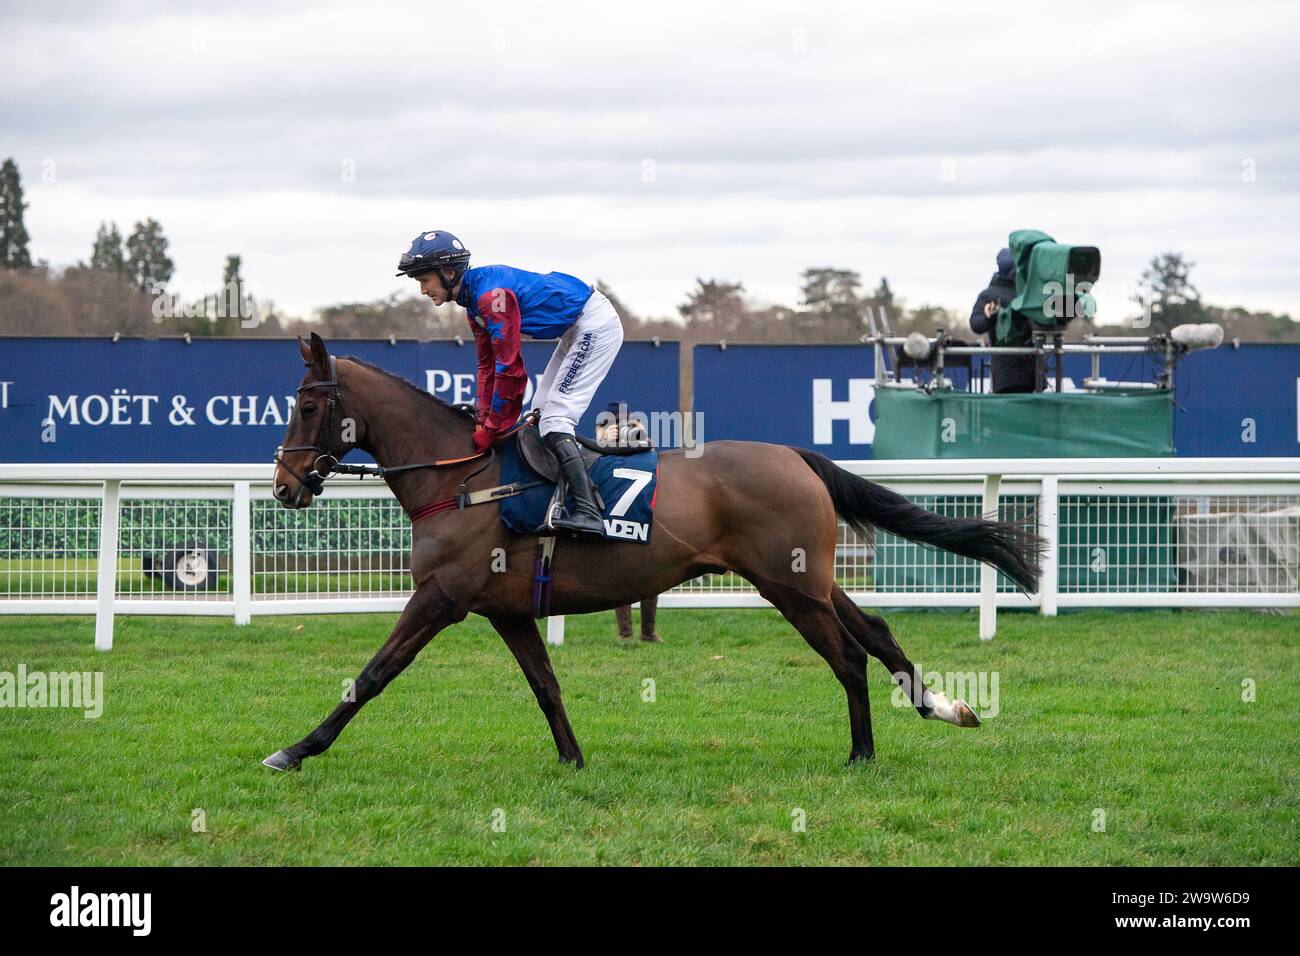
(326, 464)
(314, 481)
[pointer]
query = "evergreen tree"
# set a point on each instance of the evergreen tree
(834, 306)
(715, 309)
(231, 272)
(829, 290)
(13, 234)
(1169, 293)
(147, 261)
(236, 304)
(884, 295)
(107, 254)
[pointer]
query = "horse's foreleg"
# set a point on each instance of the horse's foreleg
(525, 642)
(428, 612)
(874, 635)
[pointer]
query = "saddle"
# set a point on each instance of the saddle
(539, 457)
(530, 512)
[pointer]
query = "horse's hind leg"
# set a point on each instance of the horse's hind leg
(874, 635)
(821, 628)
(522, 637)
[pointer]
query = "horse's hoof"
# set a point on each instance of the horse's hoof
(281, 760)
(965, 716)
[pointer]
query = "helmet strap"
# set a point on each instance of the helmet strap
(458, 274)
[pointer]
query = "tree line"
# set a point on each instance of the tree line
(123, 288)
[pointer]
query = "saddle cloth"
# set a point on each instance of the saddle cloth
(626, 485)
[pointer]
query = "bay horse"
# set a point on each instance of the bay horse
(737, 506)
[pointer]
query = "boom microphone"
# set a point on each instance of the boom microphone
(917, 346)
(1197, 335)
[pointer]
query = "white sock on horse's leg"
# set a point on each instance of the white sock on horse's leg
(937, 705)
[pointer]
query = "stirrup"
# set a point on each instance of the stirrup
(580, 524)
(558, 518)
(585, 517)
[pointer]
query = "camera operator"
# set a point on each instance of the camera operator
(1011, 373)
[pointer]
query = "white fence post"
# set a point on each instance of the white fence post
(106, 589)
(1049, 523)
(988, 573)
(241, 547)
(555, 630)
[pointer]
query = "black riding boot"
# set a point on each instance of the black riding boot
(585, 517)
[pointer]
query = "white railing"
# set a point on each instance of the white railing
(209, 539)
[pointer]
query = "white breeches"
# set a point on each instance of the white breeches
(578, 366)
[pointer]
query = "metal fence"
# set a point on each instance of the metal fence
(209, 539)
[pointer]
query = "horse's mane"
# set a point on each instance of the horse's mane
(398, 379)
(410, 386)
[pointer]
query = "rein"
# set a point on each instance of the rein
(327, 464)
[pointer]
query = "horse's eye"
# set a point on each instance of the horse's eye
(308, 409)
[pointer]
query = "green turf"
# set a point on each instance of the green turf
(1137, 714)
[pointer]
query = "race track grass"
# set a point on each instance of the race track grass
(1137, 716)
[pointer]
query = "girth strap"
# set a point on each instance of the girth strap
(542, 577)
(545, 545)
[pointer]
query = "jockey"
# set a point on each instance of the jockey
(500, 303)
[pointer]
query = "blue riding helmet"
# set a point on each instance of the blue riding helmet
(432, 250)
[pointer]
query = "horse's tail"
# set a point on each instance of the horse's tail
(1010, 547)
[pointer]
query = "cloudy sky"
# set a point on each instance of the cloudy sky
(649, 143)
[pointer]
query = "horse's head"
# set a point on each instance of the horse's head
(318, 429)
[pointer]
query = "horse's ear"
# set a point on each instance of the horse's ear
(320, 356)
(305, 350)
